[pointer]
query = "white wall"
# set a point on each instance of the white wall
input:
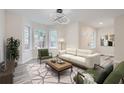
(14, 28)
(61, 35)
(27, 55)
(119, 39)
(76, 35)
(85, 36)
(102, 49)
(2, 30)
(72, 35)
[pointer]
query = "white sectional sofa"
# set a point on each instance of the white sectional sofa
(81, 57)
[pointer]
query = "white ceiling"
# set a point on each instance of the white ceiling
(87, 16)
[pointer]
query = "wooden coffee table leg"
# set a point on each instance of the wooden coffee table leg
(58, 76)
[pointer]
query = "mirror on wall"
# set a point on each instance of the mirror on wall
(108, 40)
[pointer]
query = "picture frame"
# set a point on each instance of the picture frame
(107, 40)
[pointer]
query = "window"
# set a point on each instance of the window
(45, 39)
(53, 39)
(93, 40)
(27, 37)
(40, 38)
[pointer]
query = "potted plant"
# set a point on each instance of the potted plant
(12, 50)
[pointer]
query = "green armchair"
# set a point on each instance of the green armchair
(104, 76)
(116, 75)
(44, 54)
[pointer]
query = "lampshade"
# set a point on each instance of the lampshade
(61, 40)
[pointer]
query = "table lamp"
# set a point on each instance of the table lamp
(61, 42)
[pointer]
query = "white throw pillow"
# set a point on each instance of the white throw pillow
(71, 51)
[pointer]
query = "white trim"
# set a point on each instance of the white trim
(30, 37)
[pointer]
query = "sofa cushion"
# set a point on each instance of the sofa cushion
(103, 73)
(115, 76)
(71, 51)
(79, 60)
(75, 59)
(83, 53)
(66, 56)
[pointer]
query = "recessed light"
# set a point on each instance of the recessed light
(100, 23)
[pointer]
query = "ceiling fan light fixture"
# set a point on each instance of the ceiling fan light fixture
(59, 10)
(59, 17)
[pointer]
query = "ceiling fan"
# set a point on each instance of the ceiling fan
(59, 17)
